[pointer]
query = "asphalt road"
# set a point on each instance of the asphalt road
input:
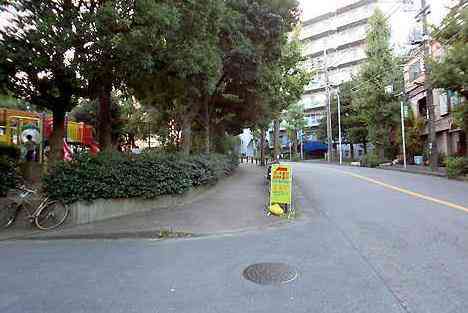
(359, 245)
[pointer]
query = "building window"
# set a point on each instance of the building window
(414, 71)
(453, 99)
(444, 103)
(422, 108)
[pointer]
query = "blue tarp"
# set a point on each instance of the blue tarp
(315, 146)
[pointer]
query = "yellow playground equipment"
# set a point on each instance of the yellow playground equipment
(14, 122)
(15, 125)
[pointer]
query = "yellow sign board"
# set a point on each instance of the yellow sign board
(281, 185)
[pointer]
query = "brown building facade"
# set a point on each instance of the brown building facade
(450, 139)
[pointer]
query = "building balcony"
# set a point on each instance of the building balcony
(442, 124)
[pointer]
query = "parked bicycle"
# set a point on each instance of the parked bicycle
(47, 215)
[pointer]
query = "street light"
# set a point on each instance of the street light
(389, 90)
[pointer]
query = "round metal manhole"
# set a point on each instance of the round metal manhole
(270, 273)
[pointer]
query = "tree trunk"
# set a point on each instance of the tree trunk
(131, 140)
(58, 133)
(465, 124)
(218, 134)
(351, 150)
(276, 144)
(381, 152)
(187, 134)
(104, 118)
(434, 158)
(206, 109)
(262, 147)
(295, 144)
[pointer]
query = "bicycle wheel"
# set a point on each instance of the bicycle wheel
(51, 215)
(8, 214)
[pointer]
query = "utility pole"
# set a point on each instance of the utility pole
(329, 120)
(302, 144)
(339, 125)
(403, 136)
(290, 151)
(434, 159)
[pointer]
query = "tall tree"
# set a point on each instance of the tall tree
(295, 124)
(37, 47)
(87, 112)
(379, 109)
(283, 83)
(180, 75)
(253, 44)
(353, 126)
(414, 129)
(208, 73)
(119, 36)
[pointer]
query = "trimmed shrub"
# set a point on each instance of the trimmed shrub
(9, 151)
(9, 177)
(370, 160)
(456, 166)
(117, 176)
(442, 160)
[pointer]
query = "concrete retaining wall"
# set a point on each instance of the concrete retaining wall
(87, 212)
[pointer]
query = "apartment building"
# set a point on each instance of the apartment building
(450, 139)
(334, 44)
(334, 41)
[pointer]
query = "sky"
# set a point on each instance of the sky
(398, 18)
(312, 8)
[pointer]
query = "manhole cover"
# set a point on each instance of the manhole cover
(270, 273)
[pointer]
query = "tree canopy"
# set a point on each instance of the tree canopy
(353, 125)
(195, 68)
(379, 109)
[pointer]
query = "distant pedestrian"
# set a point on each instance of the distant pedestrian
(30, 147)
(136, 150)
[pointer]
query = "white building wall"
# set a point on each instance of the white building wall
(338, 60)
(313, 101)
(349, 35)
(355, 14)
(315, 28)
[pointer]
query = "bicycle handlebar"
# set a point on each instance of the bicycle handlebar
(23, 188)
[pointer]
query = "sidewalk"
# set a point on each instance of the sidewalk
(236, 203)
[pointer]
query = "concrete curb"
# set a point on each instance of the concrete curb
(83, 212)
(387, 168)
(191, 196)
(145, 234)
(412, 172)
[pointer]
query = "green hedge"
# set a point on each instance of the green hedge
(9, 151)
(9, 177)
(456, 166)
(117, 176)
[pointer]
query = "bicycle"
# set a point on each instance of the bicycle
(49, 214)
